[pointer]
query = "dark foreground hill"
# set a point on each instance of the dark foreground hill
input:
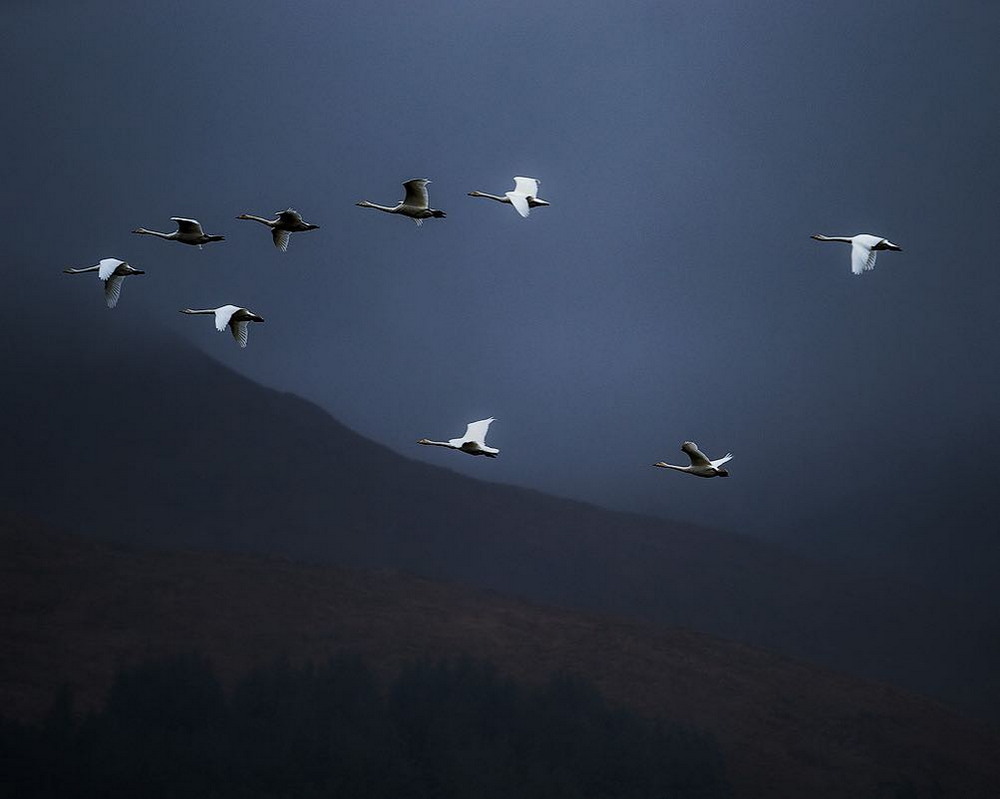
(145, 440)
(73, 611)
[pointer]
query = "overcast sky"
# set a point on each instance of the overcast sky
(670, 292)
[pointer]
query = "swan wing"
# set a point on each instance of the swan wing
(113, 289)
(416, 193)
(526, 186)
(520, 203)
(862, 257)
(280, 238)
(186, 226)
(698, 458)
(728, 457)
(240, 332)
(290, 217)
(223, 315)
(107, 267)
(476, 431)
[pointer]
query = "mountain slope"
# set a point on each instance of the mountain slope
(75, 610)
(146, 440)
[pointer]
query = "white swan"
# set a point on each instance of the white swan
(864, 248)
(473, 442)
(188, 232)
(413, 205)
(289, 221)
(113, 272)
(238, 319)
(523, 198)
(700, 466)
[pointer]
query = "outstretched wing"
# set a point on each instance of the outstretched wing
(113, 289)
(186, 226)
(290, 217)
(280, 238)
(526, 186)
(476, 431)
(240, 332)
(862, 258)
(728, 457)
(416, 193)
(107, 267)
(520, 203)
(697, 457)
(223, 315)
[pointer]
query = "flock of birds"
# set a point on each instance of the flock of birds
(416, 206)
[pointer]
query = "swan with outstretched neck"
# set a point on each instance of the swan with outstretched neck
(113, 272)
(864, 248)
(472, 443)
(234, 317)
(189, 231)
(700, 465)
(524, 197)
(414, 205)
(287, 222)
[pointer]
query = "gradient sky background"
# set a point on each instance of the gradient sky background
(671, 291)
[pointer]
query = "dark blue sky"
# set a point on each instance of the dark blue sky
(670, 292)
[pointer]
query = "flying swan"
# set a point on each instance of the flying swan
(472, 443)
(188, 232)
(289, 221)
(523, 198)
(113, 272)
(700, 466)
(864, 248)
(413, 205)
(238, 319)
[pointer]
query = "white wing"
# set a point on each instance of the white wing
(108, 267)
(526, 186)
(290, 217)
(240, 333)
(280, 238)
(188, 225)
(476, 431)
(728, 457)
(113, 289)
(862, 258)
(520, 203)
(223, 315)
(698, 458)
(416, 193)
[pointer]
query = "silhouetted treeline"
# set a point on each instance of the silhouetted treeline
(442, 731)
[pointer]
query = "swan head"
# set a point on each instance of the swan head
(243, 216)
(425, 441)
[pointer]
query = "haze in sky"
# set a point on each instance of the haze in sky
(671, 290)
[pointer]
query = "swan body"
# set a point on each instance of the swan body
(189, 231)
(414, 204)
(288, 221)
(234, 317)
(864, 248)
(700, 465)
(524, 197)
(113, 272)
(472, 443)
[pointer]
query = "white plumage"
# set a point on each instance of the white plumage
(113, 272)
(234, 317)
(700, 465)
(864, 248)
(524, 197)
(472, 443)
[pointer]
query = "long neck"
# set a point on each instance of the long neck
(820, 237)
(663, 465)
(144, 232)
(268, 222)
(387, 208)
(488, 196)
(72, 271)
(206, 311)
(436, 443)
